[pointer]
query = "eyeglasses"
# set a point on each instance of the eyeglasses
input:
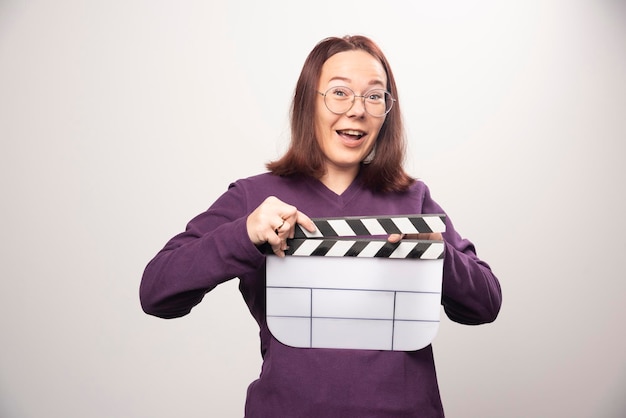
(339, 100)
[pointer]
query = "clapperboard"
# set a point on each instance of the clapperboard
(337, 289)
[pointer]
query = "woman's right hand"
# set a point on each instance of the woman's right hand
(273, 221)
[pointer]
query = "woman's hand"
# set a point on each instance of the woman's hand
(433, 236)
(273, 221)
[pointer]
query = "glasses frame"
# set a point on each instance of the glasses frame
(354, 96)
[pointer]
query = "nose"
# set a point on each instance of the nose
(358, 107)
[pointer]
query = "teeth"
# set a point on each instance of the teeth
(354, 133)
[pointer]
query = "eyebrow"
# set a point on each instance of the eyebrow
(374, 82)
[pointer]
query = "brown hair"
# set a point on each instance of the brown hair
(385, 173)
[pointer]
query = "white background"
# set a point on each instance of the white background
(121, 120)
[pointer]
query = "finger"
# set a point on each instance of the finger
(272, 238)
(431, 236)
(278, 251)
(393, 238)
(305, 221)
(279, 227)
(278, 247)
(284, 231)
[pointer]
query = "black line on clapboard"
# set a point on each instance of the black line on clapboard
(351, 318)
(412, 216)
(389, 226)
(394, 216)
(393, 324)
(357, 226)
(359, 244)
(354, 289)
(387, 223)
(311, 318)
(417, 320)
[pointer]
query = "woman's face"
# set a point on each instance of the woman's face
(348, 138)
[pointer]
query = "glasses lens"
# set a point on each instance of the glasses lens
(339, 99)
(378, 102)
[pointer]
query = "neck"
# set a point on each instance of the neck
(339, 180)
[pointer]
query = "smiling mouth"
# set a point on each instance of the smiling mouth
(352, 134)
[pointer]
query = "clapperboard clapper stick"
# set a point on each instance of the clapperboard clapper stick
(363, 292)
(329, 238)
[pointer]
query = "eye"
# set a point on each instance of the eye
(340, 93)
(375, 96)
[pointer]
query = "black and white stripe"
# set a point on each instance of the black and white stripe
(418, 249)
(373, 225)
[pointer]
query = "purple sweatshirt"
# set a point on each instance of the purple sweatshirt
(328, 383)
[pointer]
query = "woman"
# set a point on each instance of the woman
(345, 159)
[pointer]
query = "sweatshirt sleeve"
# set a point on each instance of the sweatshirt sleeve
(214, 248)
(471, 293)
